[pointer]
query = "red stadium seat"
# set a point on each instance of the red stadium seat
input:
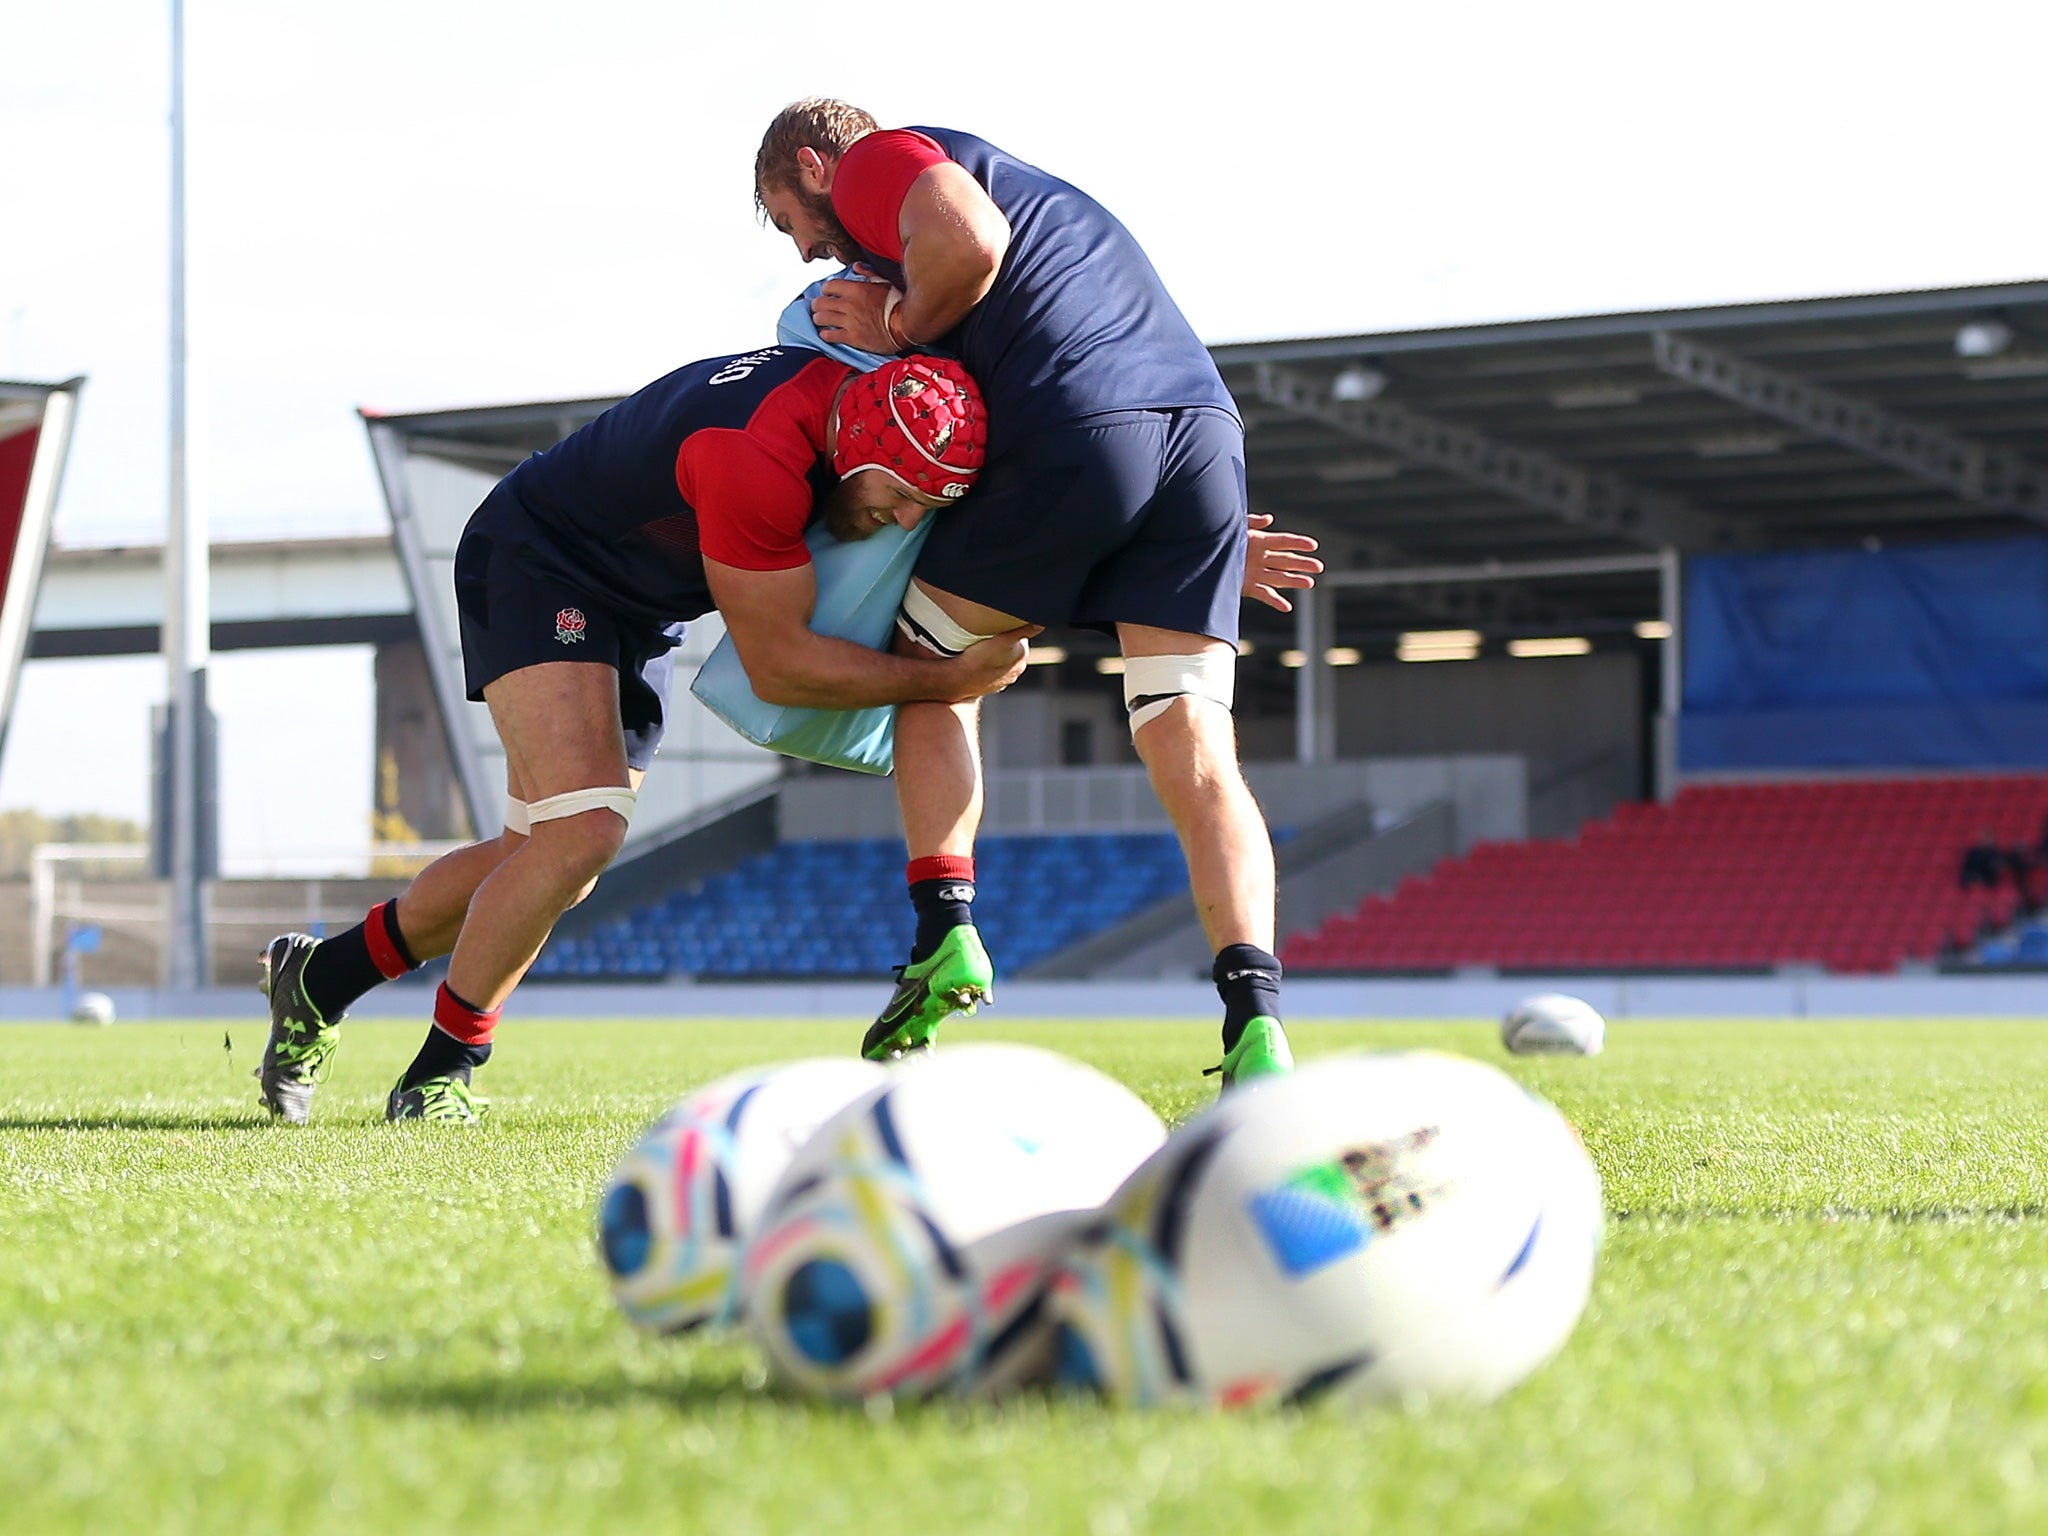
(1858, 874)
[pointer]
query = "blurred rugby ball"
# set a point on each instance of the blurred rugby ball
(1375, 1227)
(93, 1008)
(678, 1209)
(907, 1249)
(1554, 1024)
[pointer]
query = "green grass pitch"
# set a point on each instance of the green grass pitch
(1822, 1308)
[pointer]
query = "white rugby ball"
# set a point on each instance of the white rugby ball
(1372, 1228)
(678, 1209)
(93, 1008)
(1553, 1024)
(908, 1246)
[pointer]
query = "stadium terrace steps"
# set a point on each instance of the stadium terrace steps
(1854, 876)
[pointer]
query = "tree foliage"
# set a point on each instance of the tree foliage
(22, 830)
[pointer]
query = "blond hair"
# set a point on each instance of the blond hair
(816, 122)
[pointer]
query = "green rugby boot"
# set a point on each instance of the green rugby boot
(954, 978)
(301, 1042)
(446, 1099)
(1261, 1051)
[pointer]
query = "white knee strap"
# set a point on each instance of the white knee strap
(518, 817)
(1152, 683)
(925, 623)
(576, 801)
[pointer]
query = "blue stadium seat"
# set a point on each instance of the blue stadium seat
(837, 909)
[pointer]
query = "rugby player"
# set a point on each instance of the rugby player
(1113, 498)
(572, 582)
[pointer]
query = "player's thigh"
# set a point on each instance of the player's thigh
(1149, 640)
(973, 618)
(1044, 517)
(559, 722)
(577, 693)
(517, 787)
(586, 725)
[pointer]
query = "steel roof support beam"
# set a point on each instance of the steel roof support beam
(1495, 570)
(1591, 498)
(1974, 471)
(1345, 551)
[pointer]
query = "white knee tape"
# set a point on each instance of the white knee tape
(576, 801)
(518, 816)
(1152, 683)
(928, 625)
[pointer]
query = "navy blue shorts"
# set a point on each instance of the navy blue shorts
(517, 611)
(1133, 517)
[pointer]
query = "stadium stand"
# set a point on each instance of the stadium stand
(837, 909)
(1855, 876)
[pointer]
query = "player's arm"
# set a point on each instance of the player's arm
(768, 614)
(954, 241)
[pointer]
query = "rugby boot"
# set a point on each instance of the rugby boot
(301, 1042)
(954, 978)
(447, 1099)
(1261, 1051)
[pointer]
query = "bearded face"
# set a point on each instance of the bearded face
(862, 505)
(818, 207)
(807, 218)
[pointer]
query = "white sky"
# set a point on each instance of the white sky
(413, 204)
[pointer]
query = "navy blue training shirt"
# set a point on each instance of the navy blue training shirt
(721, 459)
(1078, 322)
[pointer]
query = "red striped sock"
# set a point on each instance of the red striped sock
(940, 866)
(452, 1016)
(942, 891)
(386, 944)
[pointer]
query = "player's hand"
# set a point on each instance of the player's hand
(1278, 560)
(991, 665)
(852, 311)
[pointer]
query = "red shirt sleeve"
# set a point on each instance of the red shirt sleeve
(873, 178)
(751, 509)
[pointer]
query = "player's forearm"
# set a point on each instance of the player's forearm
(820, 672)
(940, 287)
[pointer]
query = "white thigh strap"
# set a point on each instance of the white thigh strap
(1152, 683)
(517, 817)
(576, 801)
(925, 623)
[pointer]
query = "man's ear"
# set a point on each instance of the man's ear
(813, 170)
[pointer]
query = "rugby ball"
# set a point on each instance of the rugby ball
(907, 1248)
(1375, 1227)
(1553, 1024)
(92, 1008)
(678, 1209)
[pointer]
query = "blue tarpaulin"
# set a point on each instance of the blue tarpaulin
(1926, 656)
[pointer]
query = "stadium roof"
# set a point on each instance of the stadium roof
(1804, 424)
(1594, 443)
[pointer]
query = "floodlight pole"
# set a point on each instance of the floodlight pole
(1315, 690)
(1671, 681)
(186, 606)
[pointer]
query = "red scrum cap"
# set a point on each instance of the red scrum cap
(919, 420)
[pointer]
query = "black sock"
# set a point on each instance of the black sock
(442, 1055)
(1248, 981)
(942, 906)
(346, 966)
